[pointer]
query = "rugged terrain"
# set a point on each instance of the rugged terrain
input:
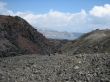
(18, 37)
(56, 68)
(97, 41)
(50, 60)
(58, 44)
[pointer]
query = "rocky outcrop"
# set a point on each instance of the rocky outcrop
(97, 41)
(18, 37)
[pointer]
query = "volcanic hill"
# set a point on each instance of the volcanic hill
(17, 36)
(97, 41)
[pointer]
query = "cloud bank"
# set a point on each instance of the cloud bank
(83, 21)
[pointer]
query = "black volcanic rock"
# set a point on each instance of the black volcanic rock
(97, 41)
(18, 37)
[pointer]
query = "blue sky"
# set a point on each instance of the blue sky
(43, 6)
(61, 15)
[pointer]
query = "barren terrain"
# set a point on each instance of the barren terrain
(56, 68)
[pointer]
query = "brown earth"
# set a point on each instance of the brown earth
(18, 37)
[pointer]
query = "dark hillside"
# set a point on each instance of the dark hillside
(18, 37)
(97, 41)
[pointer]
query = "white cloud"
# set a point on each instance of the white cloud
(4, 10)
(2, 5)
(101, 11)
(56, 20)
(98, 17)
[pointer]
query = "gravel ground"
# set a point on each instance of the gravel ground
(56, 68)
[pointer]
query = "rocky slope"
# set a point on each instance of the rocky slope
(58, 44)
(97, 41)
(18, 37)
(56, 68)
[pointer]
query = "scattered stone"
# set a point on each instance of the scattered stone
(76, 67)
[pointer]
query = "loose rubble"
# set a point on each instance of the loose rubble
(56, 68)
